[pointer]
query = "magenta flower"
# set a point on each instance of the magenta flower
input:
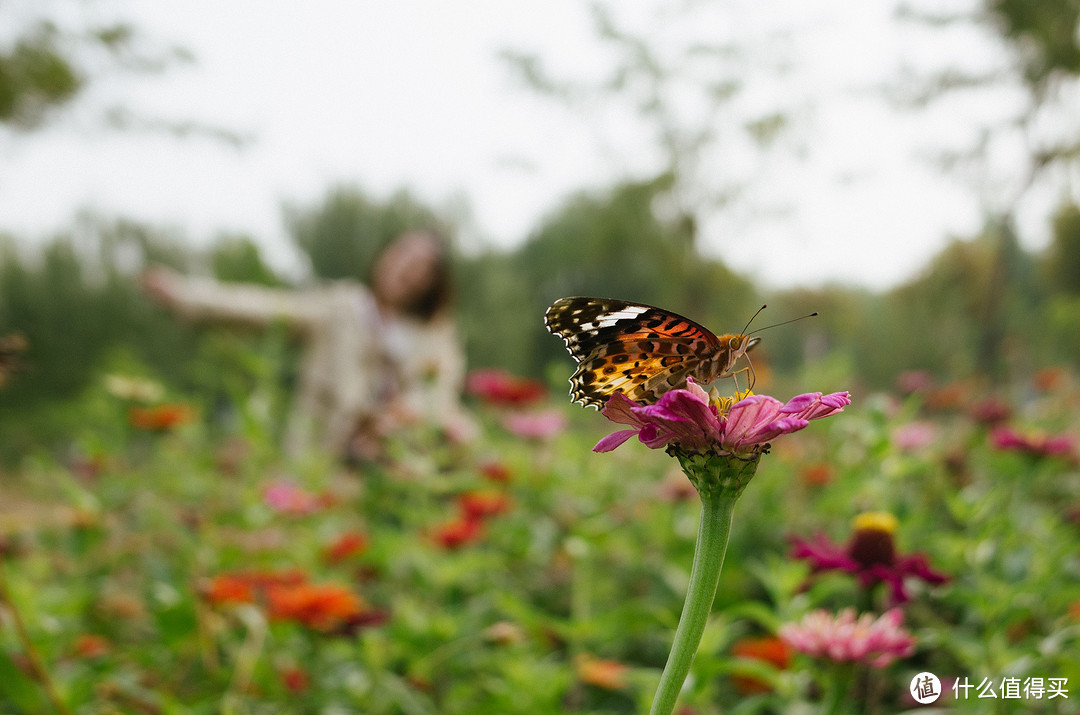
(718, 443)
(870, 555)
(688, 419)
(1037, 445)
(843, 638)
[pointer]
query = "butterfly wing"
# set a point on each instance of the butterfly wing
(639, 350)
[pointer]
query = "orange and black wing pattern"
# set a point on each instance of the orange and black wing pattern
(639, 350)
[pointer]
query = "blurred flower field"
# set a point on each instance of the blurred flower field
(161, 567)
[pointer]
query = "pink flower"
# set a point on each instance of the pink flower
(990, 411)
(535, 425)
(688, 419)
(1037, 445)
(286, 497)
(912, 381)
(843, 638)
(914, 436)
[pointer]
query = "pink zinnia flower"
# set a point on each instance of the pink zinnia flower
(287, 497)
(1037, 445)
(990, 411)
(535, 425)
(914, 436)
(912, 381)
(870, 555)
(845, 638)
(688, 419)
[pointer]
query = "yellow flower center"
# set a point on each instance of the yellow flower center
(876, 521)
(723, 403)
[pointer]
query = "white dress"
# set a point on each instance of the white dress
(356, 362)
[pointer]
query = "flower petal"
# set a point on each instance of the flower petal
(613, 440)
(813, 405)
(619, 408)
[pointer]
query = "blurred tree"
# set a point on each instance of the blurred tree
(46, 61)
(610, 245)
(80, 309)
(1035, 79)
(958, 316)
(1045, 34)
(1062, 259)
(843, 326)
(236, 258)
(682, 83)
(342, 233)
(35, 76)
(50, 53)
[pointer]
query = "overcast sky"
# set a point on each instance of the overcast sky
(412, 94)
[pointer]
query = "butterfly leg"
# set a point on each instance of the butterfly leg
(751, 378)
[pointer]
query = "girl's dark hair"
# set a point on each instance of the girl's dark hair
(438, 295)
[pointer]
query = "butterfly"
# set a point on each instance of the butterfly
(638, 350)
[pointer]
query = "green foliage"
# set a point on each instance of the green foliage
(1045, 35)
(1062, 261)
(590, 560)
(629, 253)
(34, 76)
(236, 259)
(80, 308)
(343, 233)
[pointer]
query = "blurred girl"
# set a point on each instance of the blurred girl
(375, 359)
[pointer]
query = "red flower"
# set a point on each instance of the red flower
(816, 475)
(454, 534)
(351, 543)
(480, 505)
(161, 417)
(1050, 379)
(602, 673)
(499, 387)
(320, 607)
(228, 588)
(770, 650)
(248, 586)
(495, 471)
(870, 555)
(990, 411)
(295, 679)
(88, 645)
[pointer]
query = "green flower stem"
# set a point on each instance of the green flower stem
(34, 660)
(717, 506)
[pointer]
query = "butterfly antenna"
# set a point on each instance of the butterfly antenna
(774, 325)
(754, 316)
